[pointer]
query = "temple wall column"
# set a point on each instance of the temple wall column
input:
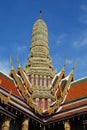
(49, 102)
(37, 101)
(45, 81)
(43, 128)
(67, 125)
(48, 80)
(6, 124)
(36, 80)
(43, 104)
(40, 80)
(25, 124)
(32, 78)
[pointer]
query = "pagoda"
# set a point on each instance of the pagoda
(39, 98)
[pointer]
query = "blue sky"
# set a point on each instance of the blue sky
(67, 28)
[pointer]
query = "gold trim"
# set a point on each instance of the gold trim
(5, 99)
(54, 88)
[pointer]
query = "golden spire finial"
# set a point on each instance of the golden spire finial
(74, 66)
(18, 62)
(12, 68)
(40, 14)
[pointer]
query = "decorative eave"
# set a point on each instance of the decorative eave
(59, 115)
(5, 99)
(25, 79)
(60, 98)
(57, 80)
(29, 99)
(64, 115)
(24, 88)
(5, 112)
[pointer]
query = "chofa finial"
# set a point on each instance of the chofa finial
(12, 68)
(18, 62)
(74, 66)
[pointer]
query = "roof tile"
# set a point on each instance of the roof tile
(8, 84)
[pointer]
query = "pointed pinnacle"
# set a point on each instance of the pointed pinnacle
(40, 14)
(18, 63)
(12, 67)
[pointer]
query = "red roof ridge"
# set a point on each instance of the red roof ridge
(7, 76)
(8, 84)
(78, 80)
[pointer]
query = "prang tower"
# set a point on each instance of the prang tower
(39, 68)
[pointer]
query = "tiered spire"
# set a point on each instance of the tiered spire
(39, 62)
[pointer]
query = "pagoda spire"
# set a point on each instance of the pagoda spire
(39, 61)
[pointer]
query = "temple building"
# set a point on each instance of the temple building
(39, 98)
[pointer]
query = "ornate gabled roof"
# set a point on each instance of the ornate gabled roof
(69, 97)
(63, 92)
(63, 110)
(56, 80)
(37, 91)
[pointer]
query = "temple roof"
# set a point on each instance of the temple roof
(75, 100)
(7, 83)
(78, 89)
(28, 91)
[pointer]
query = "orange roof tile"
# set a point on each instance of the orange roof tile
(8, 84)
(77, 90)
